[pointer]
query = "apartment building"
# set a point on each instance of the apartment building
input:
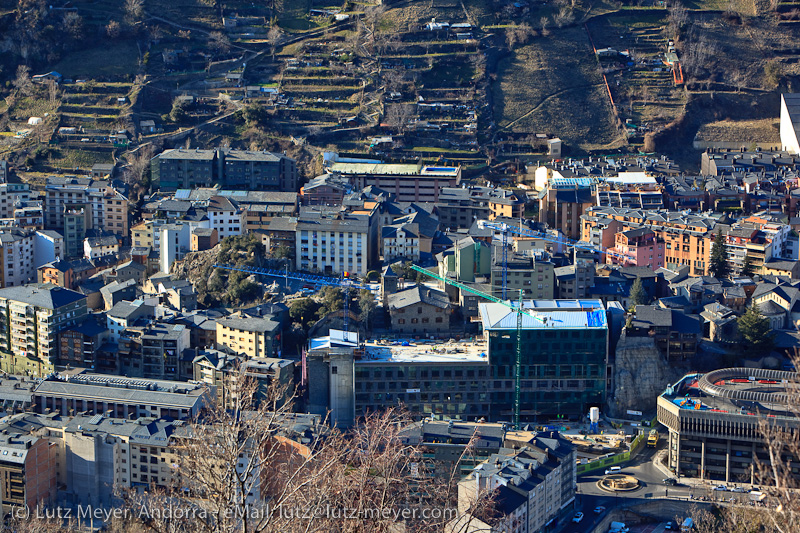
(121, 397)
(333, 241)
(407, 182)
(30, 318)
(221, 371)
(17, 248)
(106, 208)
(461, 207)
(687, 237)
(28, 471)
(225, 216)
(235, 169)
(630, 190)
(533, 274)
(563, 202)
(11, 194)
(533, 486)
(248, 335)
(637, 247)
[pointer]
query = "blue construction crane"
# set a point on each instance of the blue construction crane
(343, 282)
(505, 229)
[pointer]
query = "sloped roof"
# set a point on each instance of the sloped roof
(419, 294)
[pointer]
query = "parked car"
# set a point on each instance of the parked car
(720, 487)
(670, 481)
(613, 470)
(737, 489)
(577, 518)
(669, 526)
(599, 509)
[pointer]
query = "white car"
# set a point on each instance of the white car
(720, 487)
(600, 509)
(613, 470)
(577, 518)
(737, 489)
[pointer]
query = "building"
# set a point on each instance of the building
(675, 332)
(125, 314)
(225, 216)
(564, 358)
(334, 242)
(17, 251)
(95, 247)
(106, 208)
(203, 239)
(12, 194)
(790, 121)
(400, 241)
(162, 347)
(533, 274)
(420, 311)
(467, 260)
(630, 190)
(79, 346)
(562, 201)
(715, 423)
(637, 247)
(174, 243)
(278, 232)
(576, 280)
(236, 169)
(30, 318)
(407, 182)
(75, 224)
(533, 486)
(248, 335)
(58, 273)
(120, 397)
(327, 189)
(28, 470)
(220, 371)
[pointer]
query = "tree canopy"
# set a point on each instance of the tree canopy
(756, 332)
(719, 260)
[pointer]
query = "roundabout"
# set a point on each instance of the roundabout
(618, 483)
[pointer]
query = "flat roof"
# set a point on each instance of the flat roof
(423, 352)
(580, 314)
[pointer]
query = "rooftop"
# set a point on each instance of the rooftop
(44, 295)
(423, 352)
(549, 314)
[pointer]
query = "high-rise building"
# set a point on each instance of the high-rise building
(106, 207)
(30, 318)
(334, 242)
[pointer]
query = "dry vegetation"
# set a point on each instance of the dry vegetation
(554, 85)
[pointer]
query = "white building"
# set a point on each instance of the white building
(48, 245)
(790, 121)
(96, 247)
(400, 241)
(225, 216)
(175, 242)
(16, 257)
(10, 194)
(334, 242)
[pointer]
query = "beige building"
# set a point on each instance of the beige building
(252, 336)
(30, 318)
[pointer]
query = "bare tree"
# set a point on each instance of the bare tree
(563, 17)
(219, 42)
(678, 17)
(23, 82)
(113, 29)
(398, 116)
(544, 22)
(274, 37)
(134, 9)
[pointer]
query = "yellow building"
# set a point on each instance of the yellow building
(252, 336)
(142, 234)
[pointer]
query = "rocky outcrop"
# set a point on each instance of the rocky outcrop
(641, 374)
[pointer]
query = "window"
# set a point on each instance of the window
(401, 321)
(334, 370)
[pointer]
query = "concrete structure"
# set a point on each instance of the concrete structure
(99, 246)
(10, 195)
(675, 332)
(226, 217)
(467, 260)
(174, 243)
(400, 241)
(58, 273)
(125, 314)
(203, 239)
(715, 432)
(28, 468)
(30, 318)
(562, 201)
(48, 246)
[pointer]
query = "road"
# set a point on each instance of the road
(652, 486)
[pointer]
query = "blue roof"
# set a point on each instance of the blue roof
(495, 316)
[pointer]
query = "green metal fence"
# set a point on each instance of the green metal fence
(606, 462)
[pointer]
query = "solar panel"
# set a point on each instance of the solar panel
(95, 419)
(182, 194)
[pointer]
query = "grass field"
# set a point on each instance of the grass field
(553, 85)
(117, 60)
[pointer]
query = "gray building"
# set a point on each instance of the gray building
(236, 169)
(121, 397)
(420, 311)
(534, 275)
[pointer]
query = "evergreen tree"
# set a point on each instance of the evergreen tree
(756, 332)
(638, 295)
(719, 260)
(747, 267)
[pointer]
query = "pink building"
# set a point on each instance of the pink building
(641, 247)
